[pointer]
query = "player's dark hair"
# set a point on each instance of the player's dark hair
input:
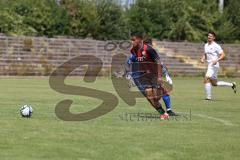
(147, 40)
(137, 35)
(212, 33)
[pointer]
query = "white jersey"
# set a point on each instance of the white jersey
(212, 51)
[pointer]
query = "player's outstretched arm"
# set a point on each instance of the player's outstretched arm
(222, 56)
(203, 58)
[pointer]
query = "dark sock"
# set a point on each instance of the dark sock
(160, 110)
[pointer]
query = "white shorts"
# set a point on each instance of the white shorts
(212, 71)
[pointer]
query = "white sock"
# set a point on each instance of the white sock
(208, 87)
(224, 84)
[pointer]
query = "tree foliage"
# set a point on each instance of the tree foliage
(105, 19)
(29, 17)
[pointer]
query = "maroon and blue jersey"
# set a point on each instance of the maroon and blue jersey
(145, 59)
(145, 54)
(134, 72)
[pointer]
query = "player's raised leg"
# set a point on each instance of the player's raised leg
(212, 73)
(228, 84)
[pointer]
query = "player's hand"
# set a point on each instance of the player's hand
(128, 76)
(214, 62)
(169, 80)
(202, 60)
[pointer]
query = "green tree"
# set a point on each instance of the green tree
(112, 24)
(11, 23)
(229, 25)
(174, 20)
(191, 20)
(138, 18)
(29, 17)
(83, 17)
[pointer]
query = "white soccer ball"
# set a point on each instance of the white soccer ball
(26, 111)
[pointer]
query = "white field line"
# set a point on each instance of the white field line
(225, 122)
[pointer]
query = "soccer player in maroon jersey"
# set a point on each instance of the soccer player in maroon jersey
(148, 65)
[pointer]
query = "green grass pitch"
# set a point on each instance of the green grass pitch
(212, 133)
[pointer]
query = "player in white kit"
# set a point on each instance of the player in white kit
(213, 53)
